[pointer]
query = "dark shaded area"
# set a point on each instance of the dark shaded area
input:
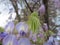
(46, 17)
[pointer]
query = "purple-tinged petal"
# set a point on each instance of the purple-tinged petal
(51, 38)
(24, 41)
(10, 40)
(18, 36)
(9, 27)
(2, 35)
(41, 10)
(22, 33)
(57, 4)
(22, 26)
(48, 43)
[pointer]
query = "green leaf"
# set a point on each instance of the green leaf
(34, 22)
(34, 14)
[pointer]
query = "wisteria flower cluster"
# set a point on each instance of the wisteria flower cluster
(8, 38)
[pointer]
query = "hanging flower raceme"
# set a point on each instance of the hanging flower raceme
(10, 40)
(22, 33)
(2, 35)
(22, 28)
(24, 41)
(41, 10)
(9, 27)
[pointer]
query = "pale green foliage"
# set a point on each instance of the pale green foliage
(51, 32)
(34, 22)
(1, 29)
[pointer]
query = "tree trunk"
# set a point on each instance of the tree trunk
(46, 16)
(51, 13)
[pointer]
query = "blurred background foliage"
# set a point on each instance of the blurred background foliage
(29, 9)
